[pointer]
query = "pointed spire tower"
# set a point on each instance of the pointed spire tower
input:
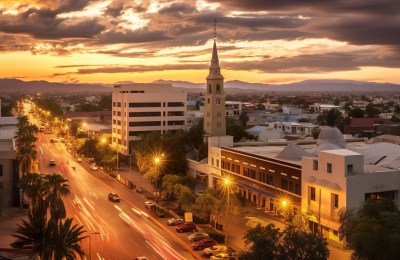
(214, 109)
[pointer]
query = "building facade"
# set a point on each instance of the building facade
(144, 108)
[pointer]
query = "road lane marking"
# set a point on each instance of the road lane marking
(90, 205)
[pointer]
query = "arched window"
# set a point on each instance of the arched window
(209, 88)
(218, 89)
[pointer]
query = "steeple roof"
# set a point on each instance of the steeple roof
(215, 69)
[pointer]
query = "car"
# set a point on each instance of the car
(148, 204)
(204, 243)
(216, 250)
(197, 236)
(114, 197)
(186, 227)
(224, 256)
(91, 160)
(54, 140)
(175, 221)
(199, 193)
(141, 258)
(52, 162)
(94, 167)
(79, 159)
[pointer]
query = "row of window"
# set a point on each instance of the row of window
(288, 185)
(329, 167)
(334, 197)
(157, 123)
(152, 104)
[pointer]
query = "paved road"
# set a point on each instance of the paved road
(125, 230)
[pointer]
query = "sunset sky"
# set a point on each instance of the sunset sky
(266, 41)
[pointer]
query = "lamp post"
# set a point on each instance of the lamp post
(227, 186)
(90, 243)
(158, 160)
(85, 125)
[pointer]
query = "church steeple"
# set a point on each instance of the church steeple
(214, 109)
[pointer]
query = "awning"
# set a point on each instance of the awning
(244, 185)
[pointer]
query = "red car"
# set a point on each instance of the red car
(186, 227)
(207, 242)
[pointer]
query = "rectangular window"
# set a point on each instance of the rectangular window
(217, 163)
(145, 123)
(335, 200)
(118, 104)
(312, 193)
(349, 168)
(329, 168)
(114, 104)
(145, 104)
(176, 113)
(144, 114)
(315, 165)
(1, 170)
(1, 185)
(178, 122)
(176, 104)
(284, 184)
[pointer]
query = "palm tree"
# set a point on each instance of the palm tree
(47, 239)
(56, 187)
(32, 186)
(25, 141)
(66, 240)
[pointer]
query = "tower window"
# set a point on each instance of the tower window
(209, 88)
(218, 89)
(208, 101)
(218, 101)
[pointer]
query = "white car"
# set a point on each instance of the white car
(216, 250)
(175, 221)
(197, 236)
(148, 204)
(94, 167)
(79, 159)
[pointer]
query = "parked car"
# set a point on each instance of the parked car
(197, 236)
(175, 221)
(186, 227)
(54, 140)
(204, 243)
(224, 256)
(148, 204)
(94, 167)
(79, 159)
(52, 162)
(141, 258)
(114, 197)
(214, 250)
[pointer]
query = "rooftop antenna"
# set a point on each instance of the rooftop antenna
(215, 29)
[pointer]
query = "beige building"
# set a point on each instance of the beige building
(9, 193)
(143, 108)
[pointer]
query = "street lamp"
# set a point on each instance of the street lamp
(158, 161)
(90, 243)
(227, 185)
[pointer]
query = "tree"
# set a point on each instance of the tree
(371, 110)
(56, 187)
(298, 244)
(206, 204)
(356, 113)
(243, 119)
(374, 231)
(263, 241)
(33, 188)
(332, 117)
(185, 196)
(315, 132)
(271, 243)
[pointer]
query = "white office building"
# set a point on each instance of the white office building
(144, 108)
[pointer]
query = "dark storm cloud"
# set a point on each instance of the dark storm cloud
(318, 63)
(115, 9)
(44, 23)
(355, 21)
(138, 36)
(178, 9)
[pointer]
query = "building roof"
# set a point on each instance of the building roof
(292, 152)
(332, 135)
(368, 122)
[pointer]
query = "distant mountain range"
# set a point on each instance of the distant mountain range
(19, 86)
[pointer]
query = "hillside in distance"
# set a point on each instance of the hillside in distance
(19, 86)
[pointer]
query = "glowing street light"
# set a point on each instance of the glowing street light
(227, 186)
